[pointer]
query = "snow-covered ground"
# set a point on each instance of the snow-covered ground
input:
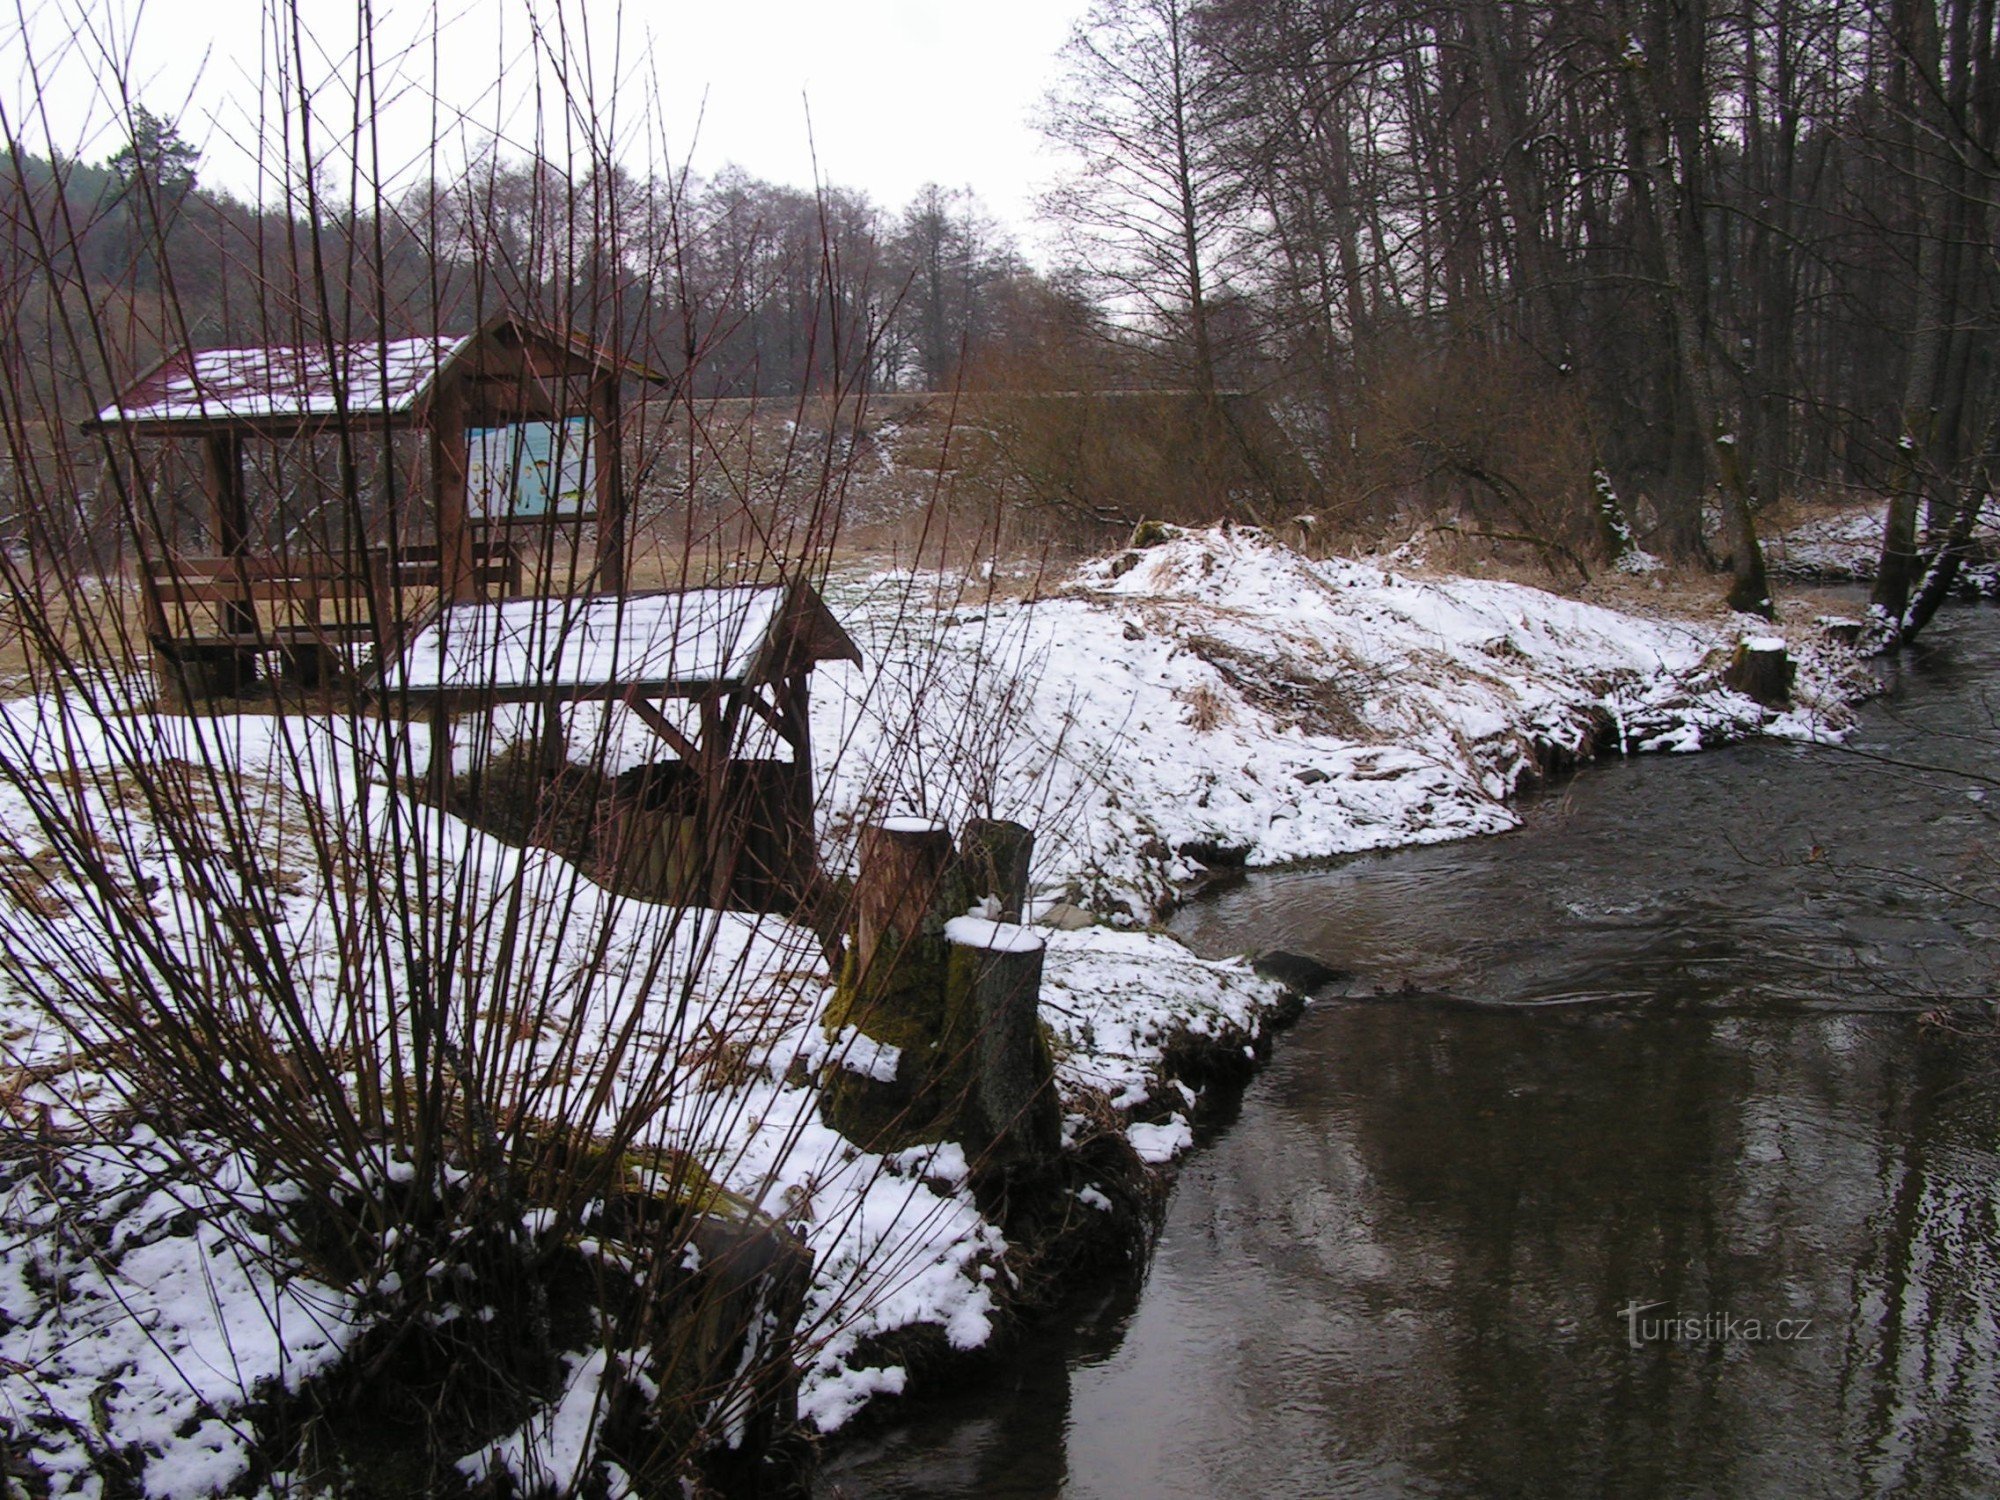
(1213, 698)
(1221, 697)
(1846, 545)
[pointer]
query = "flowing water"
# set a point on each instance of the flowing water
(1644, 1176)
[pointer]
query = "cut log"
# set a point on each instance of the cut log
(880, 1086)
(993, 858)
(1763, 670)
(903, 863)
(1006, 1112)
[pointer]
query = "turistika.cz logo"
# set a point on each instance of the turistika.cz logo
(1707, 1328)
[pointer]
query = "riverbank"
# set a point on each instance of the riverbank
(1705, 1070)
(1211, 700)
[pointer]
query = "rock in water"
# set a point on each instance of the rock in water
(1307, 976)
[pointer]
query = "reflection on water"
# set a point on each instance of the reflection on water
(1663, 1048)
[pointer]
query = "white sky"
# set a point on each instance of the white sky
(901, 92)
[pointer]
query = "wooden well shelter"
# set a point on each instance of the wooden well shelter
(525, 437)
(721, 676)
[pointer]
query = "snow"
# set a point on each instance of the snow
(1161, 1143)
(858, 1052)
(552, 1447)
(1845, 544)
(993, 937)
(182, 1312)
(704, 636)
(284, 381)
(1265, 705)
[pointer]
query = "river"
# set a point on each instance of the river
(1628, 1164)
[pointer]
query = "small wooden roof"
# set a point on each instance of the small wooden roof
(687, 643)
(285, 388)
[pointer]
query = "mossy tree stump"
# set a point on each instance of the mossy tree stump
(934, 1018)
(1005, 1108)
(993, 858)
(1763, 669)
(880, 1089)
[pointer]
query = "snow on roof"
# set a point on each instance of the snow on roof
(284, 381)
(593, 643)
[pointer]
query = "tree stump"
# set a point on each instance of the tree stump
(903, 867)
(993, 859)
(880, 1087)
(1004, 1100)
(740, 1325)
(1763, 670)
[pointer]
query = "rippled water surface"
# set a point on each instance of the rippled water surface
(1657, 1056)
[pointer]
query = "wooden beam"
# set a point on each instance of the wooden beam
(449, 462)
(607, 431)
(774, 716)
(661, 725)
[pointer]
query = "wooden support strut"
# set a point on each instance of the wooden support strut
(449, 461)
(607, 433)
(661, 725)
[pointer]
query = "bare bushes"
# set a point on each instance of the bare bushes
(543, 1155)
(1491, 453)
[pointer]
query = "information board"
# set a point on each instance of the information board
(530, 470)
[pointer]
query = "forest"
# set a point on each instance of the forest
(1580, 273)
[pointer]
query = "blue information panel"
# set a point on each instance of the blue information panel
(530, 470)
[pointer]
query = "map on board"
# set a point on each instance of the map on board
(530, 470)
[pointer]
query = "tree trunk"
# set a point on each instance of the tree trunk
(1678, 226)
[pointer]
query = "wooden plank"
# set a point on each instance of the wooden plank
(664, 727)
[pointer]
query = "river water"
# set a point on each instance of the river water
(1645, 1176)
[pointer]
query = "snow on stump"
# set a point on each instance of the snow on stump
(1762, 669)
(1006, 1111)
(887, 1009)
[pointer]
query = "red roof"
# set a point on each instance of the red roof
(285, 381)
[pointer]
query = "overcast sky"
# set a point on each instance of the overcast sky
(900, 92)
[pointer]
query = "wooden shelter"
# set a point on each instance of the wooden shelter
(511, 375)
(719, 675)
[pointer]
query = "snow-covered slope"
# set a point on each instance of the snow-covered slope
(1219, 697)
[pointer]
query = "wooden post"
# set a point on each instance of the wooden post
(449, 462)
(553, 750)
(607, 433)
(712, 772)
(994, 856)
(222, 474)
(801, 874)
(438, 772)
